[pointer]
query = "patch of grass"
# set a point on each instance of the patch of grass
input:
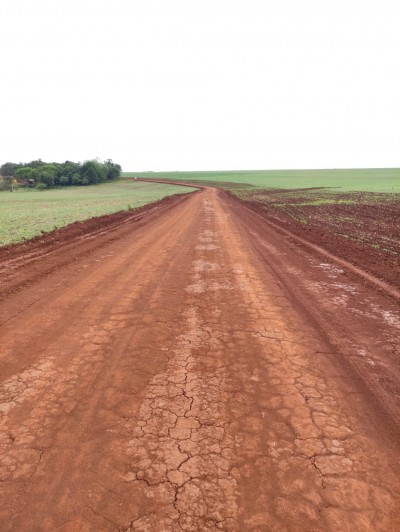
(368, 180)
(26, 213)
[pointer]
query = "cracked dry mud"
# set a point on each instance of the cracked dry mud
(191, 374)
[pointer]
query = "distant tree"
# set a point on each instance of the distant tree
(113, 170)
(8, 169)
(36, 164)
(46, 174)
(24, 173)
(93, 172)
(76, 180)
(67, 170)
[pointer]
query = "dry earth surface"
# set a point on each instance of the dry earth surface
(191, 367)
(363, 228)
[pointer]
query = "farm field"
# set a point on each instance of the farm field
(205, 362)
(27, 213)
(361, 227)
(364, 180)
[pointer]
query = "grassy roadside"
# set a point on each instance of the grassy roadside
(27, 213)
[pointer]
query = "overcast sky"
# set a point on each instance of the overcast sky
(201, 84)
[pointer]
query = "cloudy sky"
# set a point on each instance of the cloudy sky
(201, 84)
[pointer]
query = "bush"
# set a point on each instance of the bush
(41, 186)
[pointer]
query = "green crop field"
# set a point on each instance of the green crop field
(367, 180)
(26, 213)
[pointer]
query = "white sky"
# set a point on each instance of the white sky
(201, 84)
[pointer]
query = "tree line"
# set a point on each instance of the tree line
(46, 175)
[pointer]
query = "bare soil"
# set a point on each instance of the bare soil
(191, 367)
(363, 228)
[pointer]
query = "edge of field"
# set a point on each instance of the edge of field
(60, 225)
(89, 226)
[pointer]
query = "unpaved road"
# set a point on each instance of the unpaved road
(195, 369)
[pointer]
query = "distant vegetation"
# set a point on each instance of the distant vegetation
(47, 175)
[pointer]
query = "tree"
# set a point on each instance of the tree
(24, 173)
(76, 180)
(66, 171)
(93, 172)
(36, 164)
(113, 170)
(8, 169)
(46, 174)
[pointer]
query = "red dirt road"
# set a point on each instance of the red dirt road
(193, 368)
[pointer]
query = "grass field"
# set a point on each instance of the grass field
(26, 213)
(366, 180)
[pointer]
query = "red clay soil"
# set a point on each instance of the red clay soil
(194, 368)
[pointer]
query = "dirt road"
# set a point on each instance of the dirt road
(193, 368)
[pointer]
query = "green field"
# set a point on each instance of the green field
(367, 180)
(25, 213)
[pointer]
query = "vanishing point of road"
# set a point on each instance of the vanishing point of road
(194, 368)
